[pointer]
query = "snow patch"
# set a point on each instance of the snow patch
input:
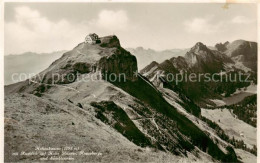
(251, 89)
(193, 59)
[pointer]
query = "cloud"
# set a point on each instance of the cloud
(31, 31)
(202, 26)
(241, 20)
(112, 20)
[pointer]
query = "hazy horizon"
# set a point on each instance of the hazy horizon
(42, 53)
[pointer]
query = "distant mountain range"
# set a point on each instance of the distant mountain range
(146, 56)
(27, 63)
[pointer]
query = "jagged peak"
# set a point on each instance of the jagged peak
(197, 50)
(226, 43)
(149, 67)
(222, 47)
(139, 48)
(199, 46)
(154, 63)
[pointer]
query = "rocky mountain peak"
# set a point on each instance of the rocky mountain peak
(154, 63)
(139, 48)
(221, 47)
(106, 56)
(226, 43)
(199, 47)
(199, 44)
(199, 50)
(244, 52)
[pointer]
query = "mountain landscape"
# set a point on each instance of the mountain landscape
(142, 117)
(201, 60)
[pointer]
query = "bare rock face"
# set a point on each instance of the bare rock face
(242, 47)
(110, 41)
(222, 47)
(121, 64)
(199, 48)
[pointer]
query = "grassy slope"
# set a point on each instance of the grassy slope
(50, 123)
(121, 122)
(143, 91)
(246, 110)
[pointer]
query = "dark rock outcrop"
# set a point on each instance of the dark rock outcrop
(222, 47)
(110, 41)
(120, 63)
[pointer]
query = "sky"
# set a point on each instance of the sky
(48, 27)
